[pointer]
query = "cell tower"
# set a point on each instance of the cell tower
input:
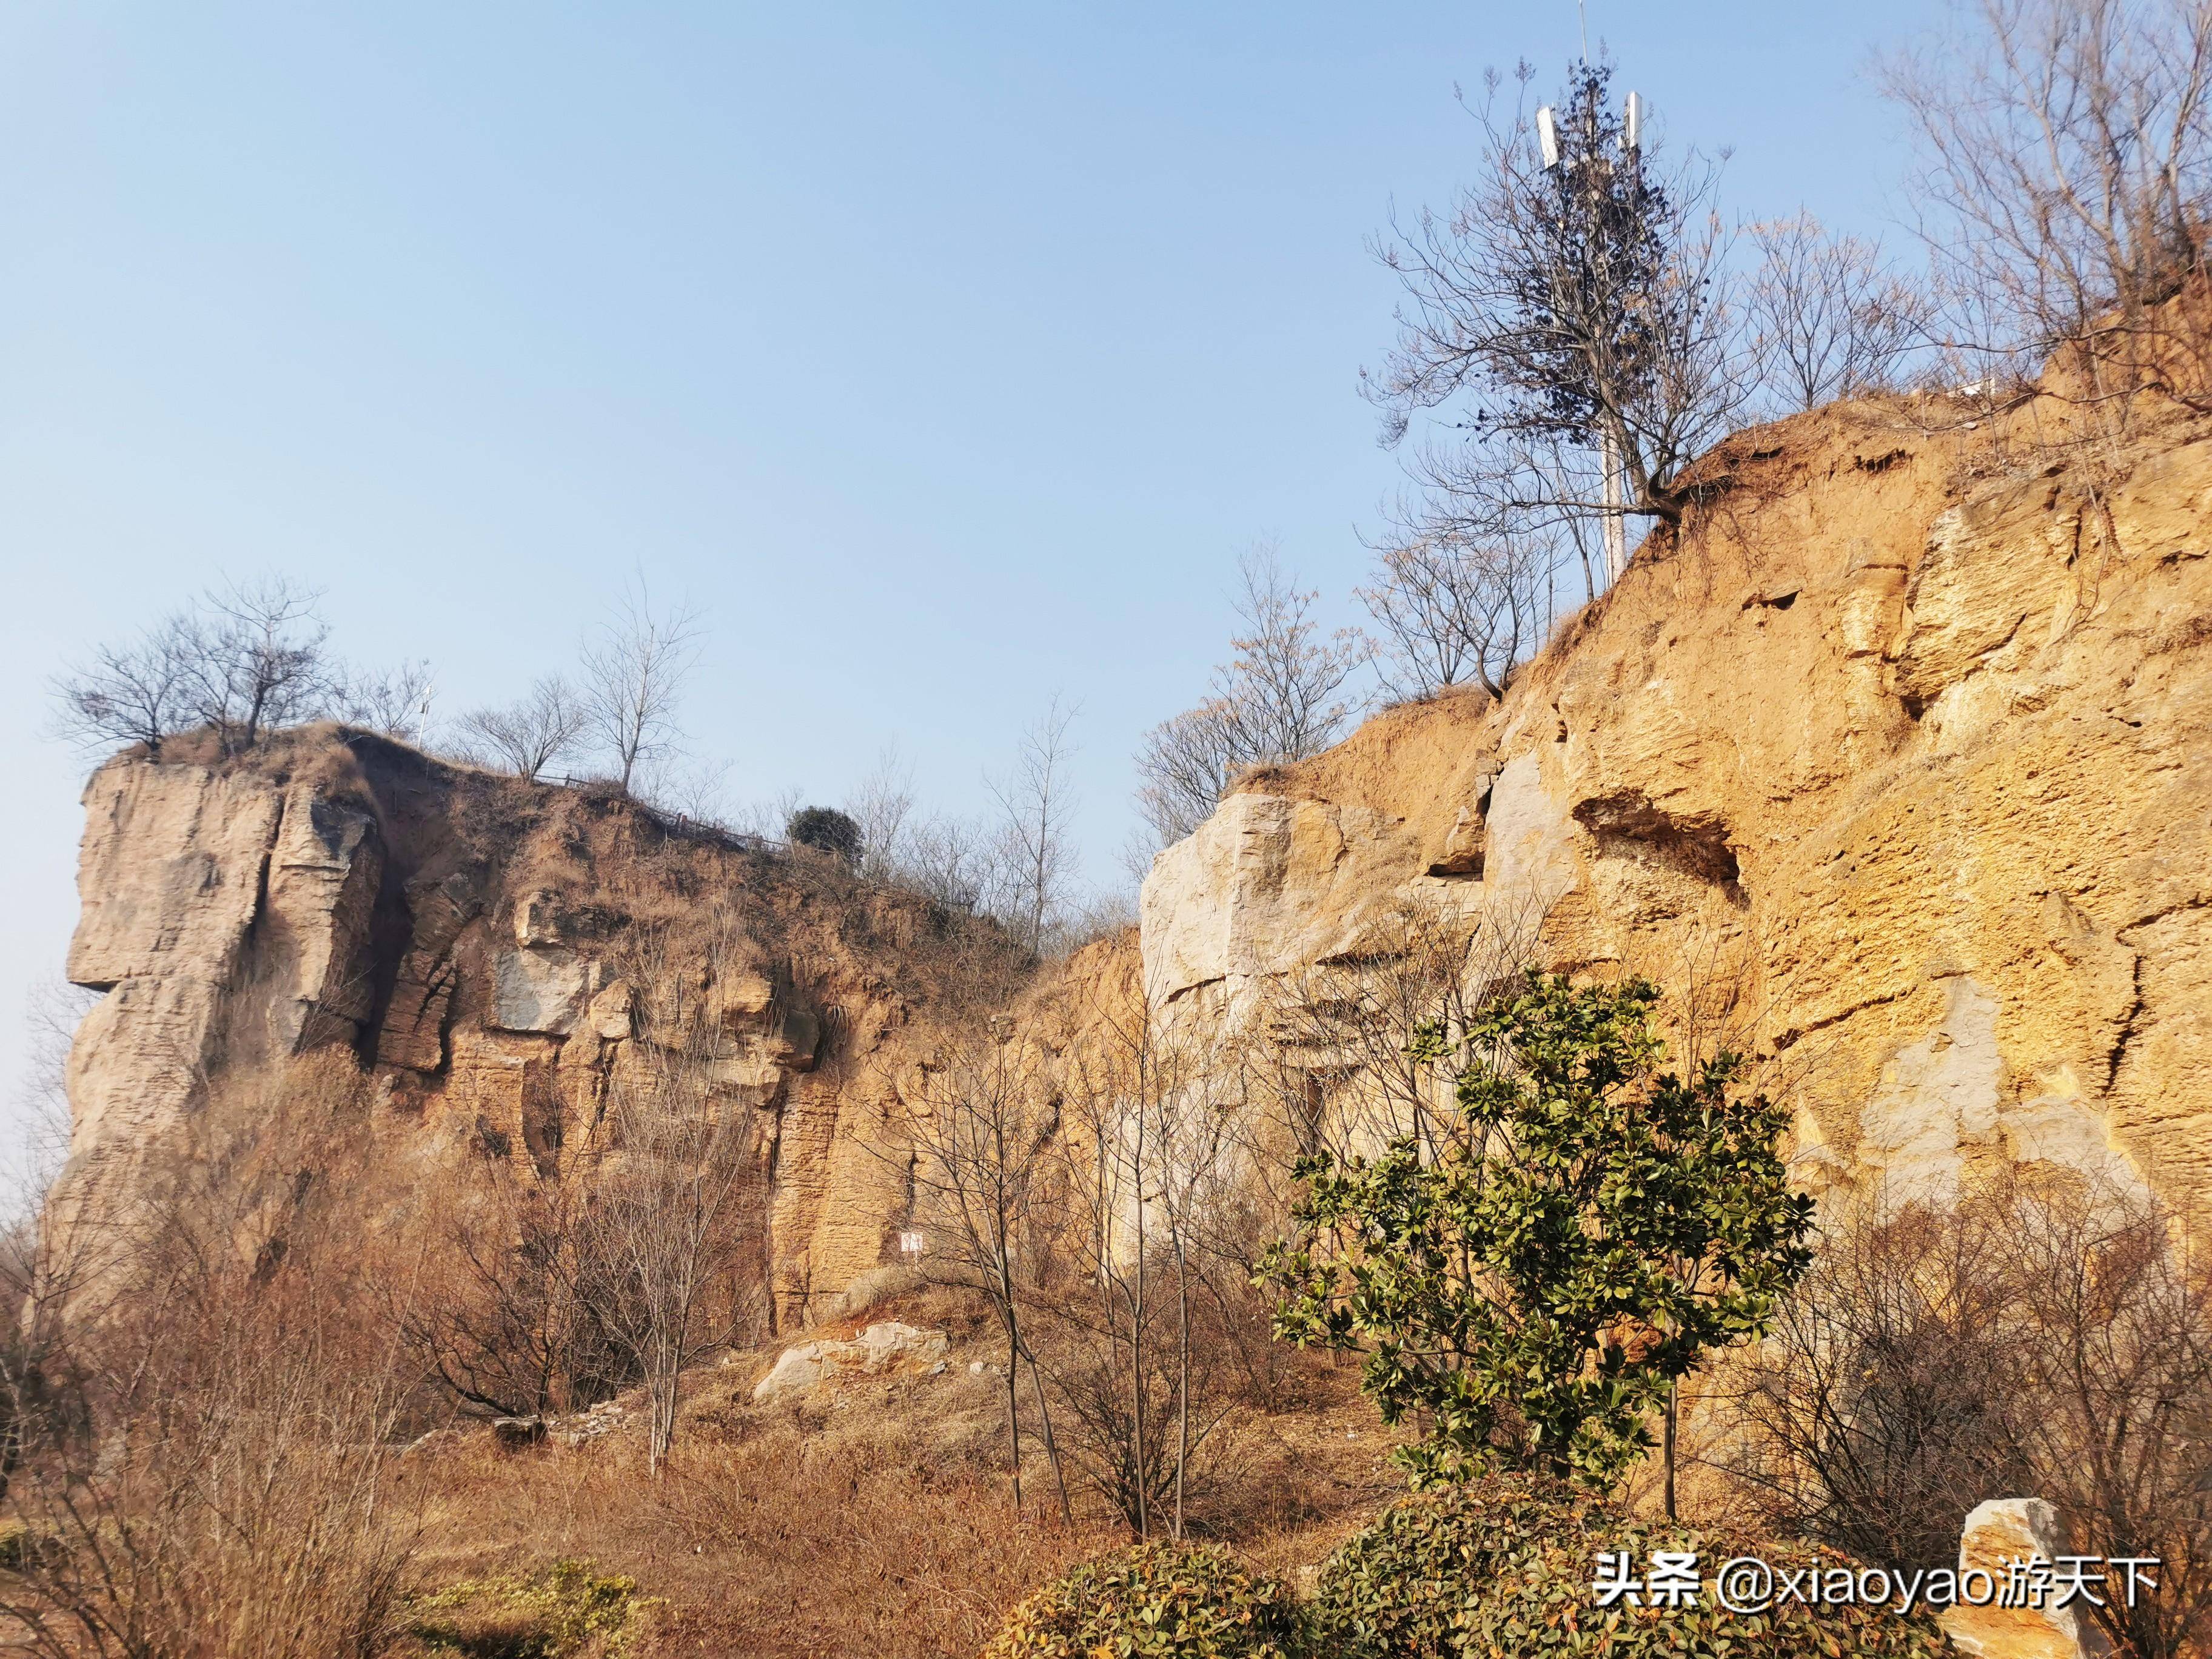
(1593, 170)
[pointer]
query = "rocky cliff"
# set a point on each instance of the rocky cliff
(336, 962)
(1910, 742)
(1907, 741)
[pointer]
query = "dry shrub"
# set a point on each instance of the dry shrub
(206, 1473)
(2064, 149)
(2048, 1344)
(868, 1515)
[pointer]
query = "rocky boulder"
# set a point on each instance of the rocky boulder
(888, 1349)
(1997, 1534)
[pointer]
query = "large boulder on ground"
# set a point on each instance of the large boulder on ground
(1997, 1534)
(886, 1348)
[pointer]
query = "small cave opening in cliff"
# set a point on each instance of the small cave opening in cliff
(1630, 824)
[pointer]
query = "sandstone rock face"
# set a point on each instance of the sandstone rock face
(451, 942)
(539, 990)
(1264, 884)
(226, 918)
(1918, 760)
(1931, 776)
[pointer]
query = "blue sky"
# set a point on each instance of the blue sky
(947, 355)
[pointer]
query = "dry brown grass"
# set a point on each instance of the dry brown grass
(870, 1518)
(770, 1547)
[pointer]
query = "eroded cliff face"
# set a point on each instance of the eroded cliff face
(1918, 760)
(1922, 760)
(343, 963)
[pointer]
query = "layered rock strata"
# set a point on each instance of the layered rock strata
(452, 939)
(1909, 745)
(1922, 761)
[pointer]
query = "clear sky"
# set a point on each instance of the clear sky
(947, 354)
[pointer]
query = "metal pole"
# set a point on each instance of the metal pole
(1616, 524)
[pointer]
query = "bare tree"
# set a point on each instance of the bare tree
(1194, 1175)
(1130, 1288)
(530, 735)
(664, 1224)
(1279, 698)
(1186, 765)
(883, 806)
(767, 818)
(634, 676)
(1287, 680)
(1454, 612)
(396, 701)
(509, 1327)
(2066, 154)
(691, 786)
(239, 659)
(1828, 319)
(2052, 1342)
(671, 1203)
(1036, 806)
(960, 864)
(203, 1464)
(2123, 1373)
(979, 1146)
(132, 694)
(255, 659)
(1575, 303)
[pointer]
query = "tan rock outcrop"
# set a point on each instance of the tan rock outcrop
(455, 940)
(883, 1349)
(1917, 754)
(226, 917)
(1931, 774)
(540, 989)
(1264, 884)
(2000, 1537)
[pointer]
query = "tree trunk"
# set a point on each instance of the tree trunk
(1137, 1341)
(1014, 1422)
(1182, 1379)
(1013, 1362)
(1673, 1398)
(1051, 1448)
(661, 1390)
(1616, 525)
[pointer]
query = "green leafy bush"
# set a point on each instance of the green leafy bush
(1410, 1584)
(1575, 1231)
(566, 1611)
(1504, 1569)
(1155, 1602)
